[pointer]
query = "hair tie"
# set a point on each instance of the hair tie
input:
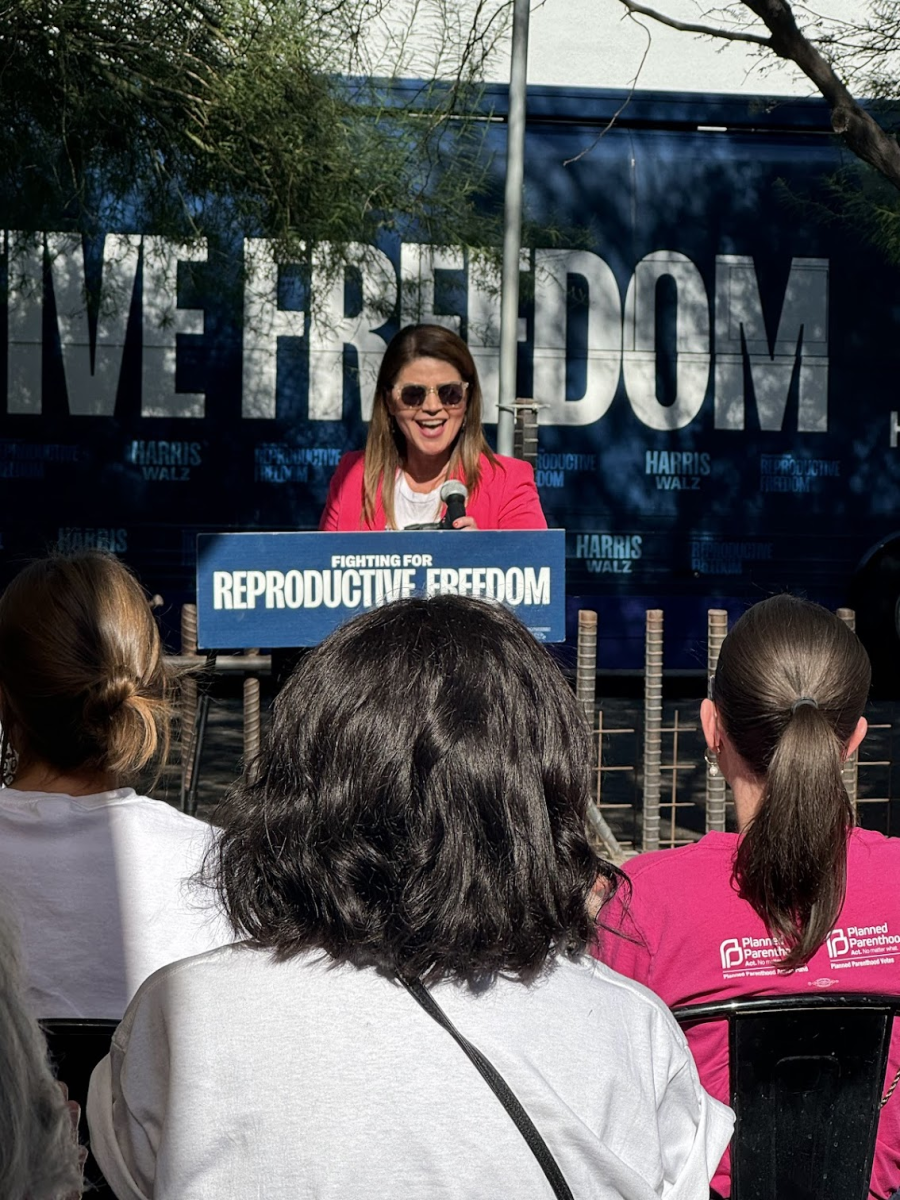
(801, 700)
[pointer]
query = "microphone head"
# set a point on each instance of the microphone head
(454, 487)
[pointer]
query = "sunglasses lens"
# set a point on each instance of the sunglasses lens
(413, 395)
(451, 394)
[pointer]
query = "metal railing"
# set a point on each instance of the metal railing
(197, 673)
(652, 789)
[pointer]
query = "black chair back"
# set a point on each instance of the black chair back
(807, 1077)
(76, 1046)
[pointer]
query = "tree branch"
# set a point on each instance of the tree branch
(731, 35)
(612, 120)
(861, 132)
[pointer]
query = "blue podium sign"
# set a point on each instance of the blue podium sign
(292, 589)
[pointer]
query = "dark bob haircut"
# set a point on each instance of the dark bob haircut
(420, 802)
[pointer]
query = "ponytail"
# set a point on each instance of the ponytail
(790, 686)
(791, 865)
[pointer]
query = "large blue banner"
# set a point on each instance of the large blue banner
(292, 589)
(715, 367)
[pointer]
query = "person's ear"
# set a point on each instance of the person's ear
(709, 719)
(862, 727)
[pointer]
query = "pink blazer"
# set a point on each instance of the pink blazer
(507, 497)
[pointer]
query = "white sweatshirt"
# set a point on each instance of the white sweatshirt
(99, 887)
(234, 1075)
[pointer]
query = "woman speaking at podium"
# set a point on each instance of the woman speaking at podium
(425, 431)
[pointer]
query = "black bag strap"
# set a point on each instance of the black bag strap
(500, 1088)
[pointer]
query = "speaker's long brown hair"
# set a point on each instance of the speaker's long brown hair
(791, 865)
(386, 448)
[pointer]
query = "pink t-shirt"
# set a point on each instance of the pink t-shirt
(696, 940)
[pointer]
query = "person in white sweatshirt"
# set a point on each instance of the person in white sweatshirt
(96, 875)
(415, 828)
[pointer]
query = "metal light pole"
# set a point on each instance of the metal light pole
(512, 228)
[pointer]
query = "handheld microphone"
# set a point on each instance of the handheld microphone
(454, 494)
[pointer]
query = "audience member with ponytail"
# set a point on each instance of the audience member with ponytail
(95, 873)
(772, 908)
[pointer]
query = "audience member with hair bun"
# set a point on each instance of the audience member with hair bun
(417, 817)
(95, 873)
(772, 908)
(426, 430)
(39, 1155)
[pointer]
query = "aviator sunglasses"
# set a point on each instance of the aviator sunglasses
(413, 394)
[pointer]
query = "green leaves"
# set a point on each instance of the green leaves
(184, 116)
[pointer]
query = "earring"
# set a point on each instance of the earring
(712, 763)
(9, 764)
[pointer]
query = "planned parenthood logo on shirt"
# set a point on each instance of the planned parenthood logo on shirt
(753, 956)
(862, 946)
(847, 947)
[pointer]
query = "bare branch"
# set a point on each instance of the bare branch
(612, 120)
(731, 35)
(860, 131)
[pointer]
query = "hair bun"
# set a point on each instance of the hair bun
(82, 678)
(107, 696)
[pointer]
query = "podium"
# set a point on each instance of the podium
(284, 590)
